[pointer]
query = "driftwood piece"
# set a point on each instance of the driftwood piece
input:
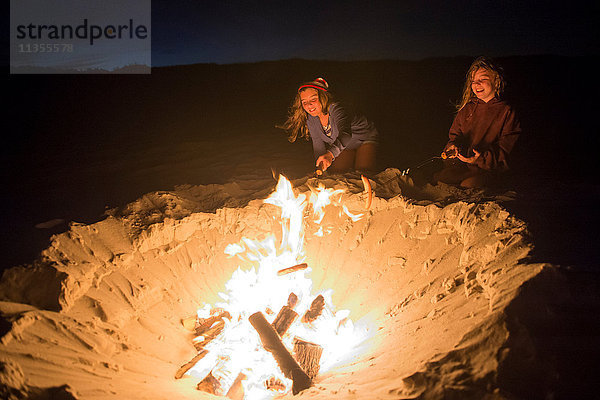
(284, 320)
(289, 270)
(275, 385)
(286, 316)
(209, 335)
(204, 324)
(210, 384)
(187, 366)
(236, 391)
(292, 300)
(272, 343)
(316, 308)
(308, 356)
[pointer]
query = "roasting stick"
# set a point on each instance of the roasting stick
(445, 155)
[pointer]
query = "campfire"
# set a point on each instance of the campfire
(246, 350)
(427, 285)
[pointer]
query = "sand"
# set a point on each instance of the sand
(461, 289)
(100, 313)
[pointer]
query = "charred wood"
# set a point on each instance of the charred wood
(187, 366)
(284, 320)
(272, 343)
(316, 308)
(308, 356)
(211, 385)
(292, 300)
(275, 385)
(209, 335)
(204, 324)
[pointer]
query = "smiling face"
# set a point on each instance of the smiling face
(483, 85)
(310, 102)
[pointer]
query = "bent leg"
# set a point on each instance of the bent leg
(366, 159)
(343, 162)
(481, 179)
(453, 173)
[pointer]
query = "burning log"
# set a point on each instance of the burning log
(308, 356)
(272, 343)
(236, 391)
(209, 335)
(292, 300)
(204, 324)
(316, 308)
(286, 316)
(275, 385)
(187, 366)
(284, 320)
(210, 384)
(289, 270)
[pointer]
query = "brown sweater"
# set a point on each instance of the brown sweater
(491, 128)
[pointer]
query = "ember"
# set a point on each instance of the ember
(241, 354)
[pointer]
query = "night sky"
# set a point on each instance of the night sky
(192, 31)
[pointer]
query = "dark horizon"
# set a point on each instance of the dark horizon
(240, 32)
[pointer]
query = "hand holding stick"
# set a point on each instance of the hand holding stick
(324, 161)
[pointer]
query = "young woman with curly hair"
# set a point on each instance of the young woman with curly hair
(484, 130)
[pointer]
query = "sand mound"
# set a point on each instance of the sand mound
(98, 315)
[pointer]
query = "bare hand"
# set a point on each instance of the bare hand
(469, 160)
(324, 161)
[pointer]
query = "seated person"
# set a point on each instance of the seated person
(484, 130)
(341, 140)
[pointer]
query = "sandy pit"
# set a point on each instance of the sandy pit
(98, 315)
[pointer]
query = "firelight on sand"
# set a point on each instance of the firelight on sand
(98, 315)
(238, 348)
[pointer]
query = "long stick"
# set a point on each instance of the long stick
(420, 165)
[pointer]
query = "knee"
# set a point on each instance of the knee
(477, 181)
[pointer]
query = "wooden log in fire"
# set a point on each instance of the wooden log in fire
(316, 308)
(210, 384)
(284, 320)
(289, 270)
(275, 385)
(187, 366)
(286, 316)
(204, 324)
(272, 343)
(292, 300)
(308, 356)
(236, 391)
(209, 335)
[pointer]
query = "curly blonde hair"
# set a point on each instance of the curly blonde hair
(497, 75)
(295, 125)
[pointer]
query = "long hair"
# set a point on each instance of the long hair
(295, 125)
(497, 75)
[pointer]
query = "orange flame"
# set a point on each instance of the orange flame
(238, 348)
